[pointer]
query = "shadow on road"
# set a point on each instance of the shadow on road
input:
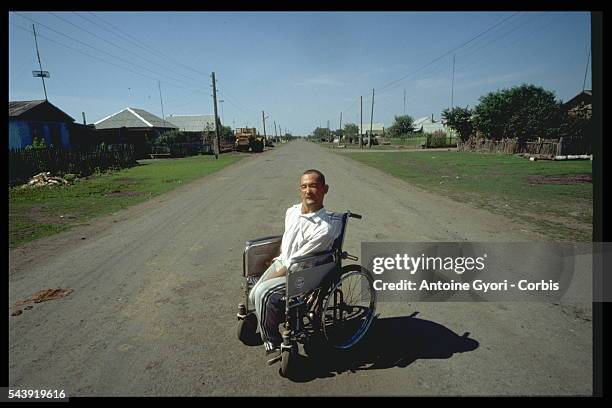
(391, 342)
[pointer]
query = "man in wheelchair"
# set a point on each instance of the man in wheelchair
(308, 229)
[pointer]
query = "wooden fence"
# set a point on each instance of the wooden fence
(25, 163)
(543, 147)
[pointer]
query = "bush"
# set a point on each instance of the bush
(437, 139)
(37, 144)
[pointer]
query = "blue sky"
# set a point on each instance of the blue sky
(302, 68)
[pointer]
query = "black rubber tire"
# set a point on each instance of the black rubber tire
(288, 362)
(247, 329)
(348, 270)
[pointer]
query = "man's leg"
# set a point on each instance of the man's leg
(271, 269)
(270, 308)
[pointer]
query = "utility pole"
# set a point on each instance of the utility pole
(371, 122)
(275, 135)
(361, 123)
(453, 86)
(328, 130)
(84, 122)
(39, 63)
(214, 85)
(404, 102)
(340, 133)
(264, 125)
(162, 103)
(585, 71)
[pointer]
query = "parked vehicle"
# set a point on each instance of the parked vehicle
(248, 140)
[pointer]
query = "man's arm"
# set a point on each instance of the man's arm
(320, 241)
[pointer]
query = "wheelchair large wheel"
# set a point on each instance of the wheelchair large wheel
(348, 309)
(247, 328)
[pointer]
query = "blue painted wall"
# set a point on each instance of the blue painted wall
(20, 133)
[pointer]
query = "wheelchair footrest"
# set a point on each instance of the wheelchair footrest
(275, 359)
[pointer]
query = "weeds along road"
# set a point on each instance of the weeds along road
(156, 289)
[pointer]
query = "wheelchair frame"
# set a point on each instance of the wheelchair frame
(303, 305)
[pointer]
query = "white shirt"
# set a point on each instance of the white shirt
(306, 233)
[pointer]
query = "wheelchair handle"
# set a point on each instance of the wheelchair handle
(352, 215)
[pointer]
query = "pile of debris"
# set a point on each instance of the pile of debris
(44, 295)
(41, 296)
(44, 179)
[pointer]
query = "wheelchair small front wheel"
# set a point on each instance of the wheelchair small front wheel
(289, 360)
(247, 328)
(349, 307)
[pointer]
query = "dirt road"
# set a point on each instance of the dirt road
(156, 288)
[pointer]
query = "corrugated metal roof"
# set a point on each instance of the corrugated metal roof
(422, 121)
(38, 110)
(193, 123)
(584, 95)
(433, 127)
(133, 118)
(375, 127)
(16, 108)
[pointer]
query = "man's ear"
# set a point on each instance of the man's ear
(326, 189)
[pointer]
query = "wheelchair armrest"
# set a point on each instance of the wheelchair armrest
(260, 240)
(303, 258)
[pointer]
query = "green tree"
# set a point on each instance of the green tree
(225, 132)
(169, 138)
(525, 112)
(320, 133)
(459, 119)
(351, 130)
(402, 125)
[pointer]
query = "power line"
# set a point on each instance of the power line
(508, 45)
(465, 66)
(243, 108)
(464, 53)
(154, 51)
(499, 23)
(19, 72)
(446, 53)
(497, 30)
(120, 47)
(102, 51)
(92, 56)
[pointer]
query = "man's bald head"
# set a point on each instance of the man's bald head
(318, 173)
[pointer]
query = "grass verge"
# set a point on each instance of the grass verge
(43, 211)
(543, 194)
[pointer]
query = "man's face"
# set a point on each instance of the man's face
(312, 190)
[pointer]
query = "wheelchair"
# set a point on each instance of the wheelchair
(324, 300)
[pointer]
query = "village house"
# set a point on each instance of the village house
(133, 126)
(580, 105)
(38, 119)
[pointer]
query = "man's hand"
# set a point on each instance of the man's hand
(282, 271)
